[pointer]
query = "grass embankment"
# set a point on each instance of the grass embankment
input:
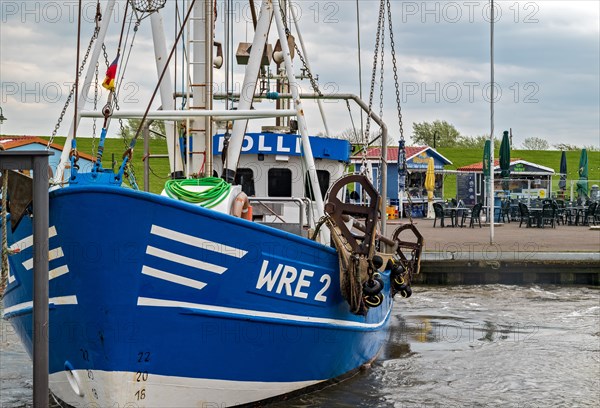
(459, 157)
(547, 158)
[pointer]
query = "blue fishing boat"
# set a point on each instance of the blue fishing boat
(220, 291)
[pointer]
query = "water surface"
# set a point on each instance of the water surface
(461, 346)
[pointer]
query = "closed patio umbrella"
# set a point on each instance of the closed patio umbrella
(505, 160)
(486, 158)
(582, 184)
(562, 184)
(430, 186)
(401, 176)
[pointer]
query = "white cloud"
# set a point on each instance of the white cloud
(547, 52)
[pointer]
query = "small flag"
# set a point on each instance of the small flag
(111, 73)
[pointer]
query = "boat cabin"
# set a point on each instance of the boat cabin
(271, 172)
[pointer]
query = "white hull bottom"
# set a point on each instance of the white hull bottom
(93, 388)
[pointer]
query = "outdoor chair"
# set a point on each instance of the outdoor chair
(597, 214)
(589, 214)
(439, 214)
(504, 213)
(561, 213)
(548, 216)
(525, 215)
(514, 210)
(475, 216)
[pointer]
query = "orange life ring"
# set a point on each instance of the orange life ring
(241, 207)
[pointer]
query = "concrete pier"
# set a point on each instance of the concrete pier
(566, 254)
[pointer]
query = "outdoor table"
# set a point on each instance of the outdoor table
(537, 213)
(454, 212)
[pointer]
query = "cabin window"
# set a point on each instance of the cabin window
(245, 178)
(280, 183)
(323, 177)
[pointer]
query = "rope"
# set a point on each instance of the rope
(217, 190)
(4, 276)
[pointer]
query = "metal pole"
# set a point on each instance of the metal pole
(40, 282)
(166, 90)
(38, 161)
(308, 156)
(261, 35)
(146, 133)
(208, 89)
(491, 221)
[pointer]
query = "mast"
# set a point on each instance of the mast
(166, 90)
(249, 85)
(64, 156)
(308, 156)
(491, 221)
(200, 129)
(319, 101)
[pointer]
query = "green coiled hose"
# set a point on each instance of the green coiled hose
(217, 192)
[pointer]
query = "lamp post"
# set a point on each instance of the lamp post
(2, 118)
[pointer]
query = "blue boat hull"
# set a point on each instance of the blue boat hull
(157, 302)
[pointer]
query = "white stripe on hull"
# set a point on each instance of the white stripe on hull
(118, 388)
(26, 242)
(54, 254)
(184, 260)
(197, 242)
(180, 280)
(57, 301)
(56, 272)
(144, 301)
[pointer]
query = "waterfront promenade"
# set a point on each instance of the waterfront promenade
(508, 237)
(562, 255)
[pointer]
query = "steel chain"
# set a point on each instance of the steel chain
(366, 131)
(72, 91)
(305, 67)
(397, 86)
(395, 68)
(95, 106)
(381, 84)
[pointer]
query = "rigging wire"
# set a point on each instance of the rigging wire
(360, 90)
(75, 113)
(162, 75)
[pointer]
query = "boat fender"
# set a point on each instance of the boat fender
(377, 262)
(241, 207)
(373, 286)
(374, 300)
(401, 285)
(405, 291)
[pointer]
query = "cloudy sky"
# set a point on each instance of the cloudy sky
(547, 56)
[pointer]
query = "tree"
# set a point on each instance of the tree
(535, 143)
(444, 133)
(130, 129)
(354, 136)
(566, 146)
(477, 142)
